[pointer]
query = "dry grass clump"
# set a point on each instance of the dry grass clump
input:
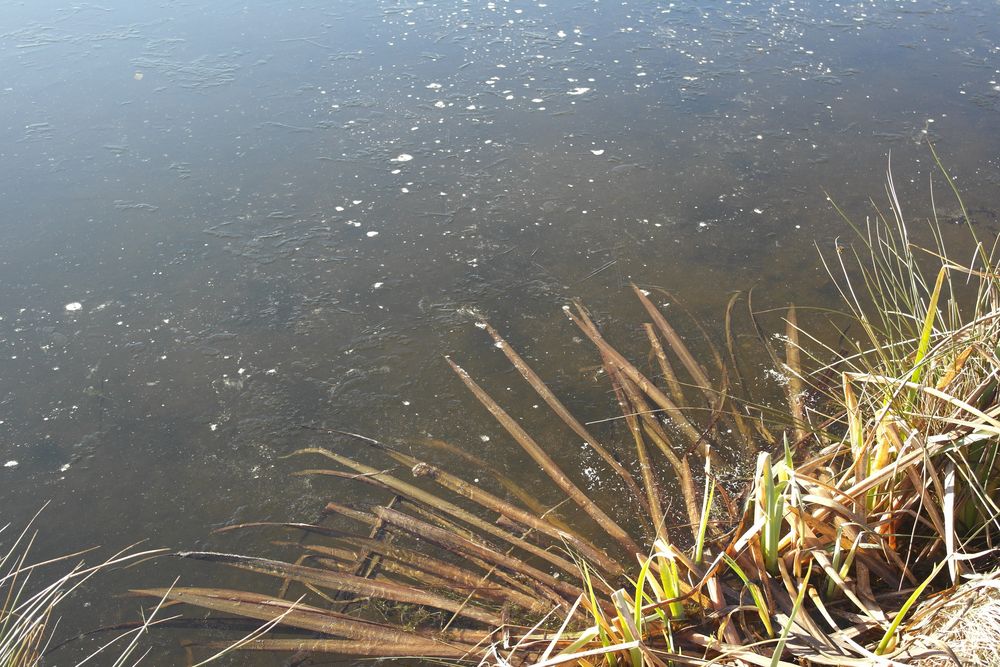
(856, 511)
(29, 609)
(961, 626)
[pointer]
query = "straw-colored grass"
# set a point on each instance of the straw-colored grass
(31, 599)
(963, 625)
(879, 491)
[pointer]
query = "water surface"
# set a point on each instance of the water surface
(274, 216)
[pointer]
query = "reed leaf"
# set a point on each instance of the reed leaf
(478, 549)
(348, 583)
(382, 647)
(796, 607)
(890, 633)
(582, 320)
(695, 369)
(373, 476)
(646, 470)
(528, 499)
(561, 411)
(547, 464)
(763, 611)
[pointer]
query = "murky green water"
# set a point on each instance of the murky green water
(274, 215)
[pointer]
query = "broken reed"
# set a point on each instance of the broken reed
(880, 489)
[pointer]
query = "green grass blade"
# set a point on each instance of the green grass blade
(928, 329)
(630, 632)
(910, 601)
(755, 593)
(599, 621)
(780, 648)
(639, 594)
(706, 507)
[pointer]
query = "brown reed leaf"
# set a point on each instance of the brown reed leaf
(560, 409)
(547, 464)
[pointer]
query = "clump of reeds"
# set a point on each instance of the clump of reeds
(880, 491)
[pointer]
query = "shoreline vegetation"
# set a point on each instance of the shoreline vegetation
(29, 610)
(864, 536)
(872, 508)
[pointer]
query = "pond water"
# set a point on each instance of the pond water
(224, 222)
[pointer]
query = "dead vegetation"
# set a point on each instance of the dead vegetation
(877, 493)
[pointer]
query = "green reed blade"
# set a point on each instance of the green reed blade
(910, 601)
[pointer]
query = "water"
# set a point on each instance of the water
(225, 222)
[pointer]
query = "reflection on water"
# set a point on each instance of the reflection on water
(224, 222)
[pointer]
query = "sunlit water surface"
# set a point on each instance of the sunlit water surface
(225, 221)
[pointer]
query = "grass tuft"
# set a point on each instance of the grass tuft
(30, 600)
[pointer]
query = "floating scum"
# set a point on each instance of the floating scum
(872, 507)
